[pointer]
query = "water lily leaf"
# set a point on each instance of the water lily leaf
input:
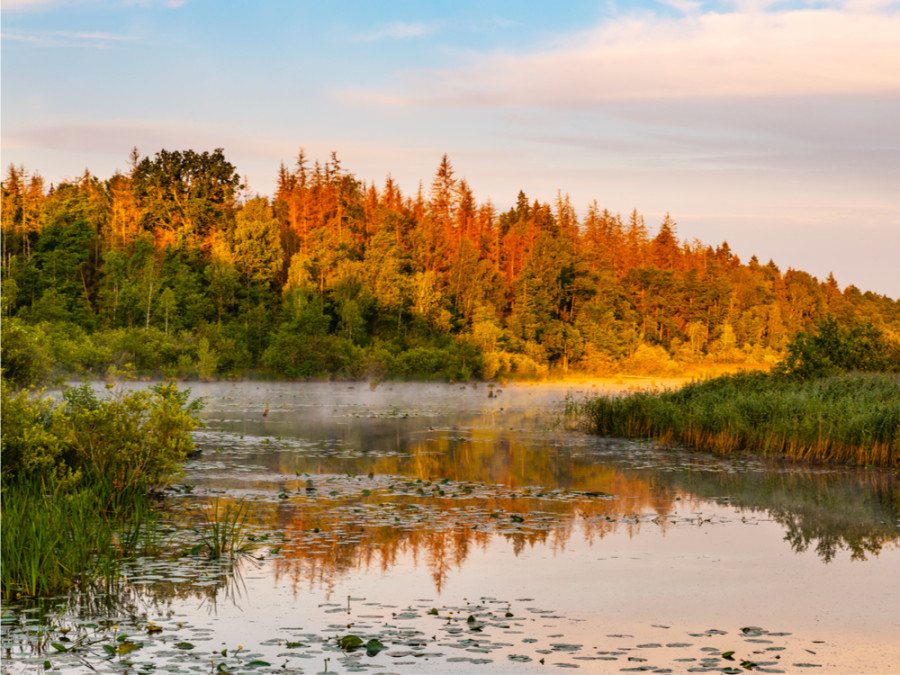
(728, 655)
(254, 664)
(350, 642)
(109, 649)
(128, 647)
(374, 646)
(183, 645)
(47, 665)
(58, 647)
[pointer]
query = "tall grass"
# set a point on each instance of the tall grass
(55, 540)
(851, 418)
(222, 531)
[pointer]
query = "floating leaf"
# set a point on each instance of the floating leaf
(60, 648)
(183, 645)
(350, 642)
(374, 646)
(728, 655)
(128, 647)
(109, 649)
(254, 664)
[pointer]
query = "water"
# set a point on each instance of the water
(398, 513)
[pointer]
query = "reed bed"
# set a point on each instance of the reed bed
(55, 540)
(851, 418)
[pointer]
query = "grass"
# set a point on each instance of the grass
(55, 540)
(222, 531)
(849, 418)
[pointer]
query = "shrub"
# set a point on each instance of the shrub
(834, 348)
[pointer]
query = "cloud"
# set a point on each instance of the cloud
(640, 57)
(397, 30)
(69, 38)
(27, 5)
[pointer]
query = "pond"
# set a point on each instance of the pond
(462, 528)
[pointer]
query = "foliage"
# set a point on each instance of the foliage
(171, 270)
(129, 443)
(834, 348)
(844, 418)
(77, 475)
(26, 357)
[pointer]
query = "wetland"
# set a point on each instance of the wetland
(405, 528)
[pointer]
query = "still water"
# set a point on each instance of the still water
(464, 528)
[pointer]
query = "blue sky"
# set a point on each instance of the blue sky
(772, 125)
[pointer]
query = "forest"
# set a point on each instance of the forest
(174, 269)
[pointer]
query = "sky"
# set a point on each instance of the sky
(774, 126)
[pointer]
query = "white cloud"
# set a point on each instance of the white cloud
(397, 30)
(69, 38)
(713, 55)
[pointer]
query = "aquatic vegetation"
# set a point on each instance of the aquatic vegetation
(851, 418)
(222, 531)
(77, 477)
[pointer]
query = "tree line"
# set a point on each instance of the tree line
(172, 268)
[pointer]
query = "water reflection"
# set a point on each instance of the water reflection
(401, 513)
(356, 479)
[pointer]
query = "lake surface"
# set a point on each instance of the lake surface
(468, 531)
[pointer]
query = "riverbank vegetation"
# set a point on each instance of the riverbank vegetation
(77, 479)
(174, 269)
(819, 404)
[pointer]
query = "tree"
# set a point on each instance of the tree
(257, 244)
(184, 196)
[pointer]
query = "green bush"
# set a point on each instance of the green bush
(76, 479)
(25, 356)
(834, 348)
(131, 442)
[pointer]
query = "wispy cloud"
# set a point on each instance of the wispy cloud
(397, 30)
(737, 54)
(86, 39)
(26, 5)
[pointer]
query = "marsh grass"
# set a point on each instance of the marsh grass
(56, 540)
(222, 531)
(849, 418)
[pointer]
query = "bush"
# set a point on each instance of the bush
(129, 443)
(834, 348)
(26, 356)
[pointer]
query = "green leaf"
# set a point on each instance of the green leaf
(350, 642)
(58, 647)
(254, 664)
(128, 647)
(374, 646)
(183, 645)
(728, 655)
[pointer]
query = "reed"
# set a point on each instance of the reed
(848, 418)
(222, 531)
(55, 540)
